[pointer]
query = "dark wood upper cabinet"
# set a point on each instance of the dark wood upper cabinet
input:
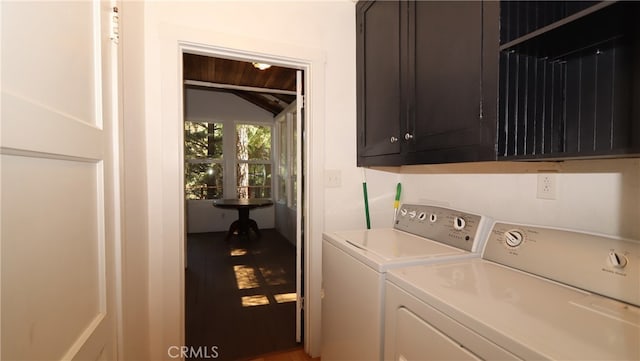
(378, 77)
(569, 80)
(431, 70)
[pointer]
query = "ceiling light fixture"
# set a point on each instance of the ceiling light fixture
(261, 66)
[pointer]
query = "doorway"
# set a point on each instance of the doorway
(253, 278)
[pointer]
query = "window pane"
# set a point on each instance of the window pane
(254, 180)
(294, 160)
(253, 142)
(203, 180)
(283, 164)
(202, 140)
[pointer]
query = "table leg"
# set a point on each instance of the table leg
(243, 225)
(232, 229)
(254, 227)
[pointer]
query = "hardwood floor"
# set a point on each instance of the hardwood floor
(240, 296)
(297, 354)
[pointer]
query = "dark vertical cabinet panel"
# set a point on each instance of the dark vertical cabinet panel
(378, 78)
(568, 80)
(447, 71)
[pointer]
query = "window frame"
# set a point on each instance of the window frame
(287, 117)
(204, 160)
(236, 162)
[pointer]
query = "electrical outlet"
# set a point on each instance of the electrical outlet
(546, 186)
(332, 178)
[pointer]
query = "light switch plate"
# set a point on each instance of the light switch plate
(332, 178)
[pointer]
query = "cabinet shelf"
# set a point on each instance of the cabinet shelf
(533, 21)
(570, 88)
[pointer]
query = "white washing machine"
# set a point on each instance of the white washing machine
(537, 293)
(354, 264)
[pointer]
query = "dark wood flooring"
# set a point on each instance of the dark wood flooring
(237, 292)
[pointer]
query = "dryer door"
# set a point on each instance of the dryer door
(417, 340)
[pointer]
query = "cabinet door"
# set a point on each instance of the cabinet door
(378, 77)
(445, 57)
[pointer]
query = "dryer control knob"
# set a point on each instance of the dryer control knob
(422, 216)
(459, 223)
(412, 214)
(433, 218)
(403, 212)
(617, 260)
(513, 238)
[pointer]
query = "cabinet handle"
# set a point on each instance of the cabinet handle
(408, 136)
(393, 139)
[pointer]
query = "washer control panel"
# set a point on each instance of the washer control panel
(606, 265)
(452, 227)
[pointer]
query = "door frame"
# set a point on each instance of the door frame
(230, 182)
(166, 204)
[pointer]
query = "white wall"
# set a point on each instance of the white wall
(215, 106)
(600, 196)
(135, 233)
(286, 222)
(209, 105)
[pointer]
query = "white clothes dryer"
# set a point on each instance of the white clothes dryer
(537, 293)
(354, 264)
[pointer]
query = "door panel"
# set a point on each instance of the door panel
(448, 73)
(52, 258)
(57, 146)
(299, 210)
(49, 55)
(379, 66)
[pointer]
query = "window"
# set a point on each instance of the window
(293, 163)
(253, 161)
(206, 172)
(287, 157)
(203, 155)
(283, 159)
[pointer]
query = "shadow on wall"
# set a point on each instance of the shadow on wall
(601, 196)
(630, 202)
(628, 171)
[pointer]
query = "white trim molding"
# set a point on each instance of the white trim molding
(166, 201)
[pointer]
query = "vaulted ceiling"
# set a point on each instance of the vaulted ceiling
(271, 89)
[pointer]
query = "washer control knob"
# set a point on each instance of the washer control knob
(403, 212)
(422, 216)
(412, 214)
(513, 238)
(459, 223)
(617, 260)
(433, 218)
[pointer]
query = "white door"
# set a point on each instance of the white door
(299, 205)
(59, 189)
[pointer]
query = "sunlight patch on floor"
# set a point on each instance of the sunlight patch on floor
(246, 277)
(274, 277)
(238, 252)
(257, 300)
(285, 297)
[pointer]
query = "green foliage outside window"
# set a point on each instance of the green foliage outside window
(204, 167)
(203, 156)
(253, 150)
